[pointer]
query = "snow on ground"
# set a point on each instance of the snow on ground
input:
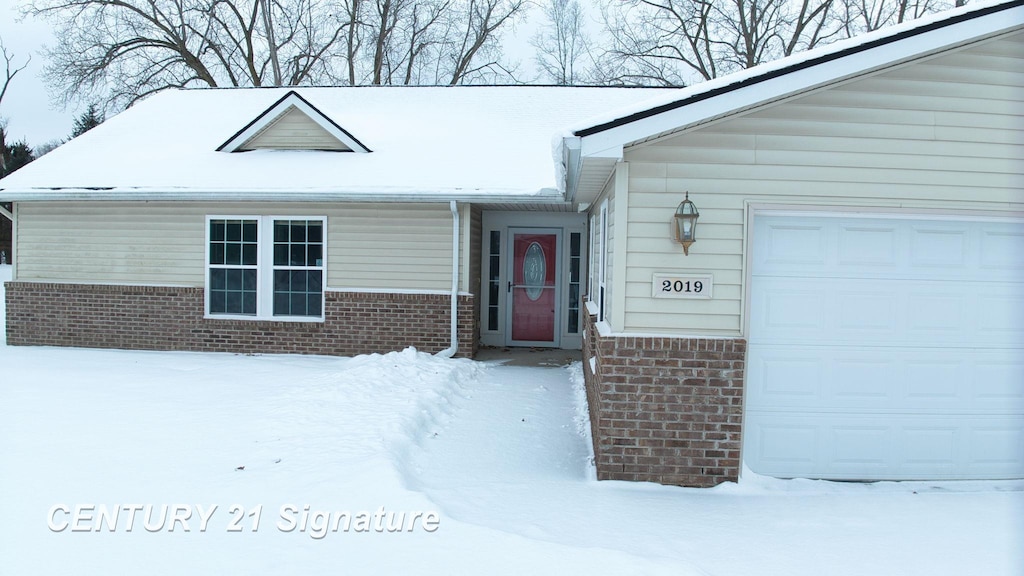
(498, 453)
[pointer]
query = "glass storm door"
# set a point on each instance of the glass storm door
(534, 287)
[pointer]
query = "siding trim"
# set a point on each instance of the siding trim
(14, 242)
(620, 245)
(406, 291)
(466, 233)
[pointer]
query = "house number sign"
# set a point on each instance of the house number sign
(695, 286)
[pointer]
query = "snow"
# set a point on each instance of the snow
(453, 141)
(499, 453)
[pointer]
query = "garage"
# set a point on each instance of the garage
(885, 347)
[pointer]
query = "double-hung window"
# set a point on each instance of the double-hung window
(298, 267)
(234, 266)
(266, 267)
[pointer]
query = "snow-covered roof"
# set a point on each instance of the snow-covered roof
(605, 135)
(426, 143)
(436, 143)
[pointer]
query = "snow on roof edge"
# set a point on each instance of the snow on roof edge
(544, 195)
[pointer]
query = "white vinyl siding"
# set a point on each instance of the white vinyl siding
(371, 246)
(112, 243)
(592, 257)
(946, 133)
(392, 246)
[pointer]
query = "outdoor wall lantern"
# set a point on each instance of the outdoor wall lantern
(686, 223)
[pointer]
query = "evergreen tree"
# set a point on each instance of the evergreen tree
(89, 119)
(13, 155)
(16, 155)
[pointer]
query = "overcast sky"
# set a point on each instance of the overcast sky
(27, 107)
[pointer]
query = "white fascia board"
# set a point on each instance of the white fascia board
(611, 141)
(572, 164)
(594, 147)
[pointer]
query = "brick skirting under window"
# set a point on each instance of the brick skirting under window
(666, 410)
(168, 318)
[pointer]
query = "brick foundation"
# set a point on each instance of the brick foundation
(666, 410)
(166, 318)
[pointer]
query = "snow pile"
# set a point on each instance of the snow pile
(271, 445)
(498, 455)
(582, 412)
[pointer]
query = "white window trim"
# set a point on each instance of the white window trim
(592, 259)
(602, 268)
(264, 269)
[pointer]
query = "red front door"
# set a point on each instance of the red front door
(534, 289)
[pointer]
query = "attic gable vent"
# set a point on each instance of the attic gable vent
(292, 123)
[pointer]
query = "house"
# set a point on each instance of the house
(314, 220)
(853, 305)
(849, 305)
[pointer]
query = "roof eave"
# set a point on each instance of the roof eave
(543, 196)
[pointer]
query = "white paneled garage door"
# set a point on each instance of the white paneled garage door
(885, 348)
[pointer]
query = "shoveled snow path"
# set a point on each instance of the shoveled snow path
(511, 459)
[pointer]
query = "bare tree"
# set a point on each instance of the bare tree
(119, 51)
(47, 147)
(563, 45)
(670, 42)
(471, 45)
(10, 71)
(757, 31)
(659, 42)
(131, 47)
(867, 15)
(421, 37)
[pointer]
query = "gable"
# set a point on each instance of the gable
(293, 130)
(593, 149)
(801, 73)
(292, 123)
(960, 111)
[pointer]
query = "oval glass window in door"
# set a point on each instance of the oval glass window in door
(534, 271)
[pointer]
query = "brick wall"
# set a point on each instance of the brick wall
(665, 410)
(165, 318)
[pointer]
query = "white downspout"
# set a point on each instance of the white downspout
(451, 350)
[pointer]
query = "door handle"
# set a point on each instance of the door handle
(510, 287)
